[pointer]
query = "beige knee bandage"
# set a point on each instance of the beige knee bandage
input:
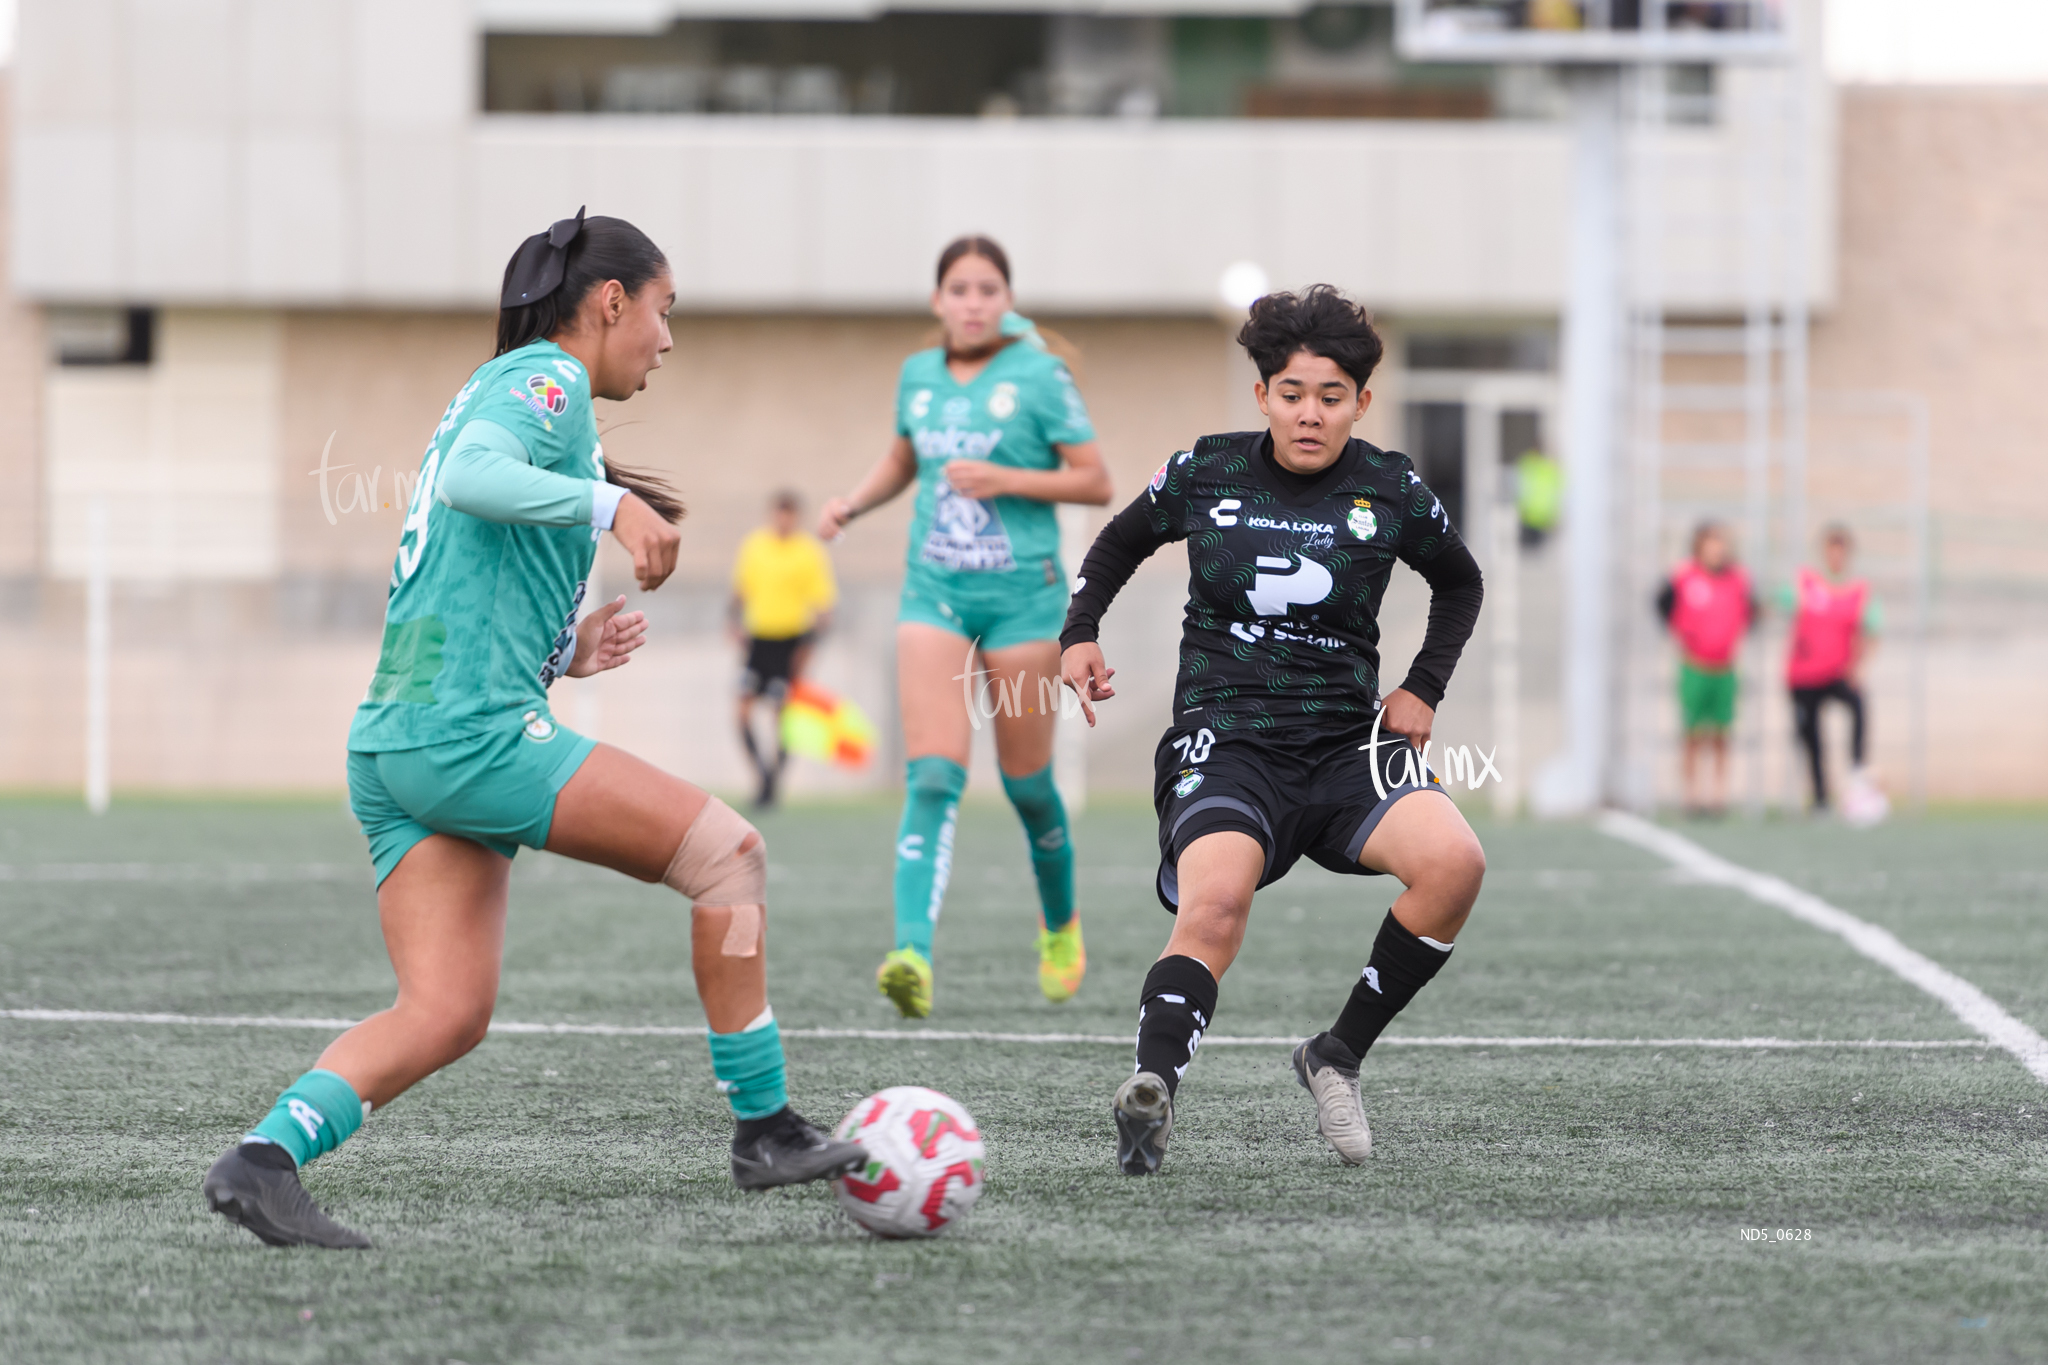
(712, 870)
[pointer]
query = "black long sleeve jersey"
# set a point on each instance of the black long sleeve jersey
(1285, 577)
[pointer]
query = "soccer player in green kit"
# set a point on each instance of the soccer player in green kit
(991, 429)
(455, 759)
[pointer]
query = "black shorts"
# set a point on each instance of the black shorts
(771, 665)
(1312, 795)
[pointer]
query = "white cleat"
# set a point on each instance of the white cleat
(1144, 1121)
(1328, 1071)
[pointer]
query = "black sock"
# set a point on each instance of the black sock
(1174, 1010)
(267, 1154)
(1401, 964)
(753, 749)
(746, 1130)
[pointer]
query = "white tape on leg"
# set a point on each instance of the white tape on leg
(743, 933)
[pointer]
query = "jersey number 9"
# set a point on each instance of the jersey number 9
(416, 518)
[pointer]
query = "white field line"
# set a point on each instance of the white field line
(980, 1036)
(1977, 1010)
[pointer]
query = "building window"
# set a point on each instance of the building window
(1531, 350)
(102, 336)
(1330, 61)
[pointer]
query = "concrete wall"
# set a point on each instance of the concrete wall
(249, 683)
(285, 152)
(1945, 296)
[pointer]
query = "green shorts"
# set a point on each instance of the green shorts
(497, 788)
(1706, 697)
(998, 609)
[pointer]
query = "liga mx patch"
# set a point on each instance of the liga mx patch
(1189, 780)
(545, 396)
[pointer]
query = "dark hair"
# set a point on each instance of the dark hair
(786, 500)
(1319, 320)
(1709, 527)
(605, 249)
(974, 245)
(1837, 533)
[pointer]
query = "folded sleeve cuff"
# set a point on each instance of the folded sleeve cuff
(604, 504)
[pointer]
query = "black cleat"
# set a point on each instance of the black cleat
(787, 1149)
(270, 1202)
(1144, 1121)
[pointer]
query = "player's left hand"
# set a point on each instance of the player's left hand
(1408, 715)
(977, 478)
(1082, 668)
(606, 639)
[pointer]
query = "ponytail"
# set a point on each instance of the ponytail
(545, 283)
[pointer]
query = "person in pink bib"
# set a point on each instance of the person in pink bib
(1834, 621)
(1707, 604)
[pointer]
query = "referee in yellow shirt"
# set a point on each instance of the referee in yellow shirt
(782, 596)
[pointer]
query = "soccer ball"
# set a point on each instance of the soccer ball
(924, 1162)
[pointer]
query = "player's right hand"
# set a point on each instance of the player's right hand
(651, 541)
(832, 518)
(1082, 668)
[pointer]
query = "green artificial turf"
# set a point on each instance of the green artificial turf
(565, 1198)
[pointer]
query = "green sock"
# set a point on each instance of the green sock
(316, 1113)
(924, 848)
(1052, 853)
(749, 1068)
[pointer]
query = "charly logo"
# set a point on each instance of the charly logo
(1273, 593)
(1362, 522)
(1189, 780)
(1002, 404)
(307, 1117)
(538, 726)
(920, 403)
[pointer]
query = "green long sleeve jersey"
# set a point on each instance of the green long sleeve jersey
(494, 558)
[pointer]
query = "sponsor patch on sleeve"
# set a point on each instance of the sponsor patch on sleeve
(545, 396)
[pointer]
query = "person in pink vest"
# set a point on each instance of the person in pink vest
(1834, 621)
(1707, 604)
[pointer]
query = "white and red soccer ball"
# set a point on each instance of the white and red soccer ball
(924, 1162)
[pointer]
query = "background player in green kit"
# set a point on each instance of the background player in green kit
(455, 759)
(993, 432)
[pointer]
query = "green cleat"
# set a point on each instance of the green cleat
(906, 978)
(1062, 961)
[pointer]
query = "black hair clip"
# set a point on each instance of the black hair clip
(537, 267)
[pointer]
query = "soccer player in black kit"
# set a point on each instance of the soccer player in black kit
(1281, 744)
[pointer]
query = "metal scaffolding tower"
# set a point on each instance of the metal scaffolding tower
(1618, 336)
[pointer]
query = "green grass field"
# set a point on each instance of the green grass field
(565, 1198)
